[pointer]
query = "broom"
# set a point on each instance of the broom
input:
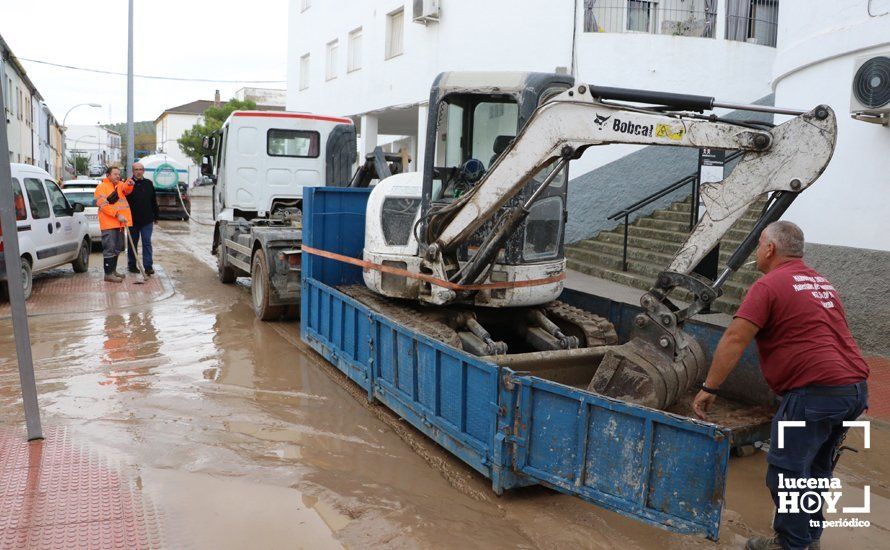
(140, 277)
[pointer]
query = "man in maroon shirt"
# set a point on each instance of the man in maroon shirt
(809, 358)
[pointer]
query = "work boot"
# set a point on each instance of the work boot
(113, 278)
(149, 271)
(764, 543)
(132, 270)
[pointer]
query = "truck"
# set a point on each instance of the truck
(260, 162)
(170, 179)
(442, 294)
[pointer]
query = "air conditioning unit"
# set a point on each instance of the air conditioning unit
(426, 11)
(870, 97)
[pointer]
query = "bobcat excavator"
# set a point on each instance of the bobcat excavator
(470, 250)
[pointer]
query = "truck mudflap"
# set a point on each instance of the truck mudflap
(659, 468)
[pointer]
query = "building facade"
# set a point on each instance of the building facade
(30, 125)
(265, 98)
(173, 122)
(375, 61)
(100, 145)
(845, 215)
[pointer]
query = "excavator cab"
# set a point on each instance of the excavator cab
(473, 118)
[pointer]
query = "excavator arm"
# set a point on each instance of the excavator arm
(787, 159)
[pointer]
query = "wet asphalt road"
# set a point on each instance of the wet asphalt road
(242, 437)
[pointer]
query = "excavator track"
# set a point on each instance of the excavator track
(408, 314)
(592, 330)
(596, 330)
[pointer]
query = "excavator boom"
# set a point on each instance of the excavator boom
(788, 158)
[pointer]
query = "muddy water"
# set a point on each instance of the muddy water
(244, 438)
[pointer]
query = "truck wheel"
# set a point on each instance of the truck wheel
(261, 289)
(224, 270)
(81, 264)
(4, 292)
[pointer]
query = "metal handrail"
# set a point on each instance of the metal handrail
(649, 199)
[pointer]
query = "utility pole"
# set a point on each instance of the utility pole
(131, 131)
(13, 262)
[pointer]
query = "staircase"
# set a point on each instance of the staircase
(652, 242)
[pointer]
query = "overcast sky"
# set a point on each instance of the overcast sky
(179, 38)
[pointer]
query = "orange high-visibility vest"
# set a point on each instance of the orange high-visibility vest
(108, 212)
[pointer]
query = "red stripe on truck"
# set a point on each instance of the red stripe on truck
(266, 114)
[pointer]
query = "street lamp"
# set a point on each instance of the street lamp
(96, 105)
(65, 128)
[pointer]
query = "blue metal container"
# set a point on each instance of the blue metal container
(516, 429)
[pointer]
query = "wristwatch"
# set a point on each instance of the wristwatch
(706, 389)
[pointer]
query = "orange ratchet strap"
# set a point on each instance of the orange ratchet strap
(428, 278)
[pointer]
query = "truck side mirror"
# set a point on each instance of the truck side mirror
(208, 143)
(206, 165)
(77, 206)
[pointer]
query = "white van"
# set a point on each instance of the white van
(51, 231)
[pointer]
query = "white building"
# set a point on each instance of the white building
(173, 122)
(265, 98)
(101, 145)
(375, 61)
(845, 215)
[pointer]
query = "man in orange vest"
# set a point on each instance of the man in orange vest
(114, 219)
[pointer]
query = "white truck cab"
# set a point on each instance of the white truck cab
(266, 158)
(260, 162)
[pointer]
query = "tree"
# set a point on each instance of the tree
(190, 142)
(81, 164)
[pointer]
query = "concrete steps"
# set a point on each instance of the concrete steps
(652, 242)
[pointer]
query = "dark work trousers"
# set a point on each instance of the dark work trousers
(809, 451)
(112, 246)
(145, 233)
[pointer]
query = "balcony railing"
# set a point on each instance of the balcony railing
(754, 21)
(673, 17)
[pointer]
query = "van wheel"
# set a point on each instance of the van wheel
(27, 278)
(260, 289)
(224, 270)
(81, 264)
(4, 292)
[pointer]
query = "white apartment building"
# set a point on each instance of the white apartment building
(101, 145)
(376, 60)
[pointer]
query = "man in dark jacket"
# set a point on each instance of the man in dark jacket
(144, 205)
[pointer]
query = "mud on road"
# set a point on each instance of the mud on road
(242, 437)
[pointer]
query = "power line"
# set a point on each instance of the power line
(152, 77)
